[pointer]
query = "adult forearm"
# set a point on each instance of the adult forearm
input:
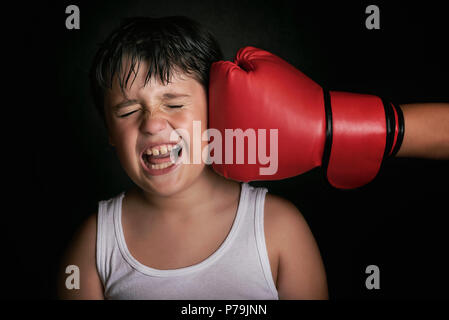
(426, 131)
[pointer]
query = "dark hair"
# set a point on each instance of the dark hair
(166, 44)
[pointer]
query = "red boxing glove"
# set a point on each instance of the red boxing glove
(348, 134)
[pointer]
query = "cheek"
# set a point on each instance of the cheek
(194, 124)
(119, 134)
(197, 112)
(123, 137)
(201, 113)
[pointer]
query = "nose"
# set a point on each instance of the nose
(153, 124)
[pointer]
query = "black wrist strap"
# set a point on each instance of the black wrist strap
(390, 127)
(401, 129)
(329, 131)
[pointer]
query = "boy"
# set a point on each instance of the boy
(185, 232)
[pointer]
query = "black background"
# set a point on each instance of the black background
(61, 164)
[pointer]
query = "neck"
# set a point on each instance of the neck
(190, 202)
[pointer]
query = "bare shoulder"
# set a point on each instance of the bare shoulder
(280, 211)
(281, 219)
(301, 273)
(81, 253)
(85, 236)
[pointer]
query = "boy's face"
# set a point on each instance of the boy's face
(146, 115)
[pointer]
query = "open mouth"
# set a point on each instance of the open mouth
(162, 157)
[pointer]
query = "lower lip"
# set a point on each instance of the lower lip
(158, 172)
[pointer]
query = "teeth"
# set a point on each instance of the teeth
(155, 151)
(163, 149)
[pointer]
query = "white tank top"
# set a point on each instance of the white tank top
(239, 269)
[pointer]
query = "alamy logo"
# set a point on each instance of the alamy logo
(373, 280)
(73, 20)
(373, 20)
(255, 151)
(73, 280)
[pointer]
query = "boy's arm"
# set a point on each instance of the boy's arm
(426, 133)
(301, 274)
(81, 253)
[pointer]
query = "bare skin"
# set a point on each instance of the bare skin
(426, 131)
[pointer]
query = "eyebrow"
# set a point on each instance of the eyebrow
(165, 96)
(170, 95)
(125, 103)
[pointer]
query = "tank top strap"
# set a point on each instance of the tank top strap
(256, 198)
(259, 213)
(106, 238)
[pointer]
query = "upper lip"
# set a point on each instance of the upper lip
(150, 145)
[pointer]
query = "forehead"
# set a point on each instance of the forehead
(136, 76)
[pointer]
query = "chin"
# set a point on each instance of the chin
(169, 184)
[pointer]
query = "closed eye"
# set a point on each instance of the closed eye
(174, 107)
(127, 114)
